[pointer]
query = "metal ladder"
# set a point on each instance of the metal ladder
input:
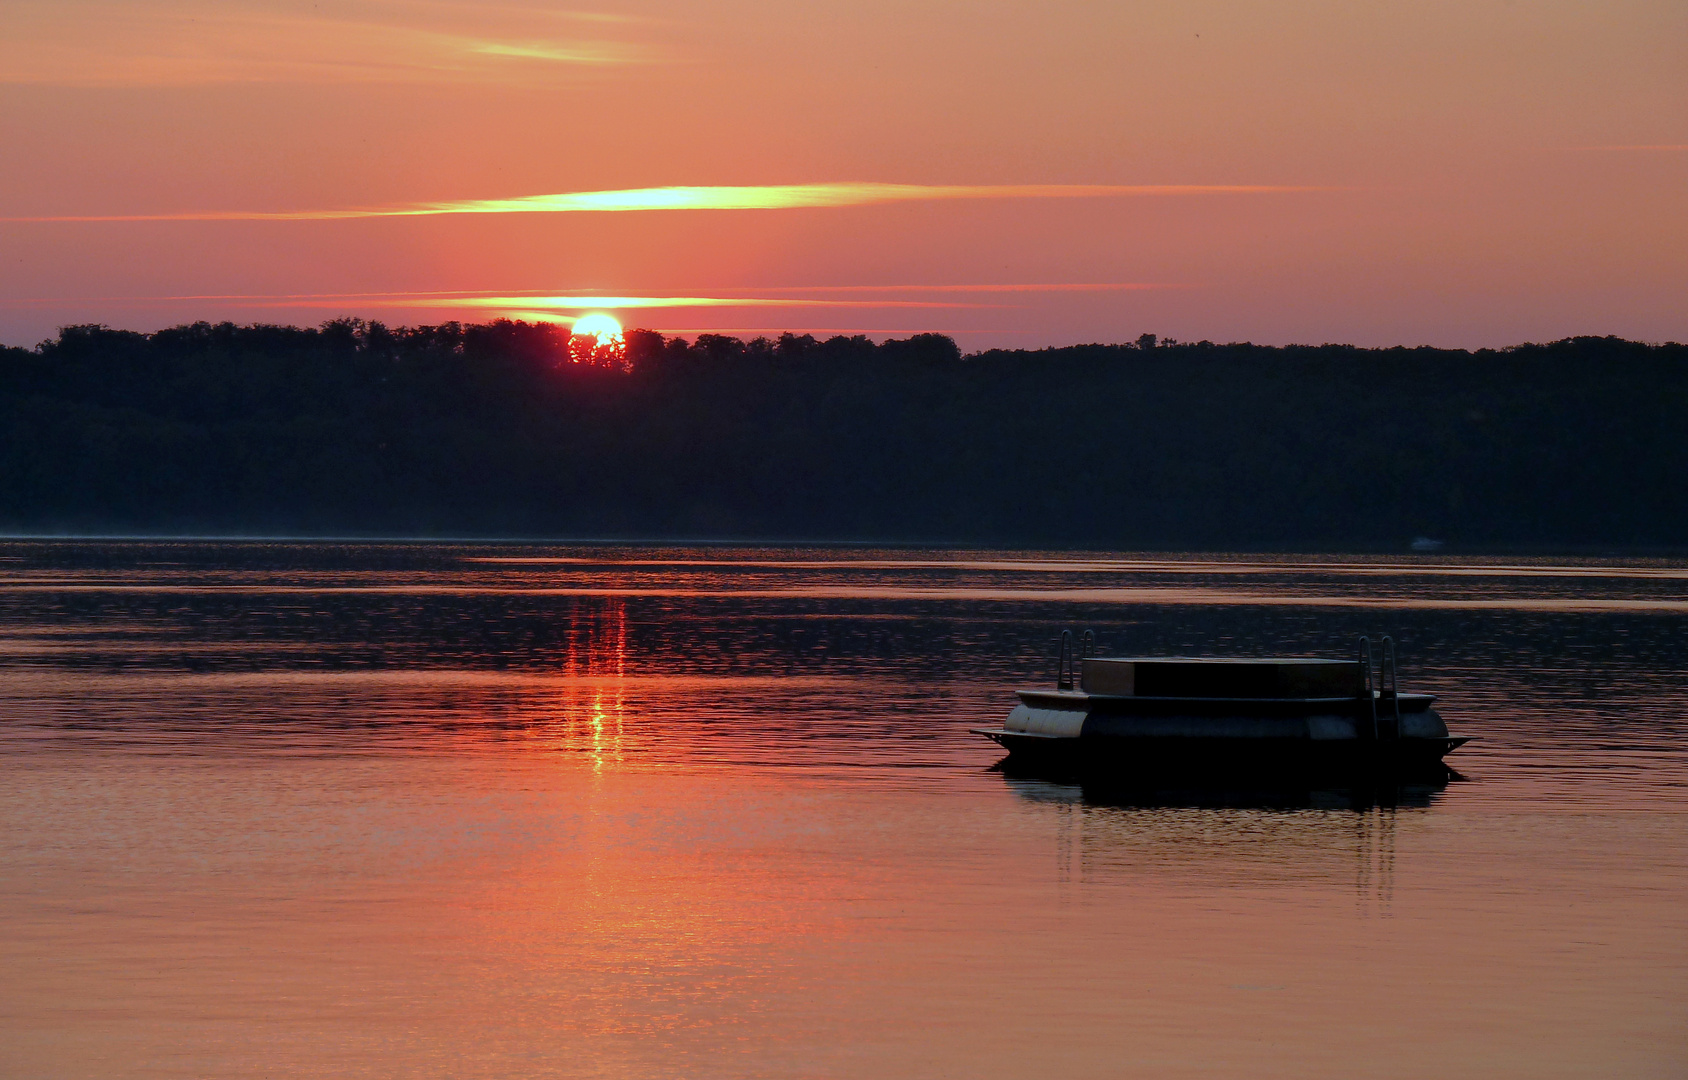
(1385, 688)
(1069, 672)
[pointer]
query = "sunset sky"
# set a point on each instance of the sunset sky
(1479, 172)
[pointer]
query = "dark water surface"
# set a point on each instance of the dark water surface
(504, 811)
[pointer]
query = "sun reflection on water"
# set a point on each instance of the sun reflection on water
(592, 699)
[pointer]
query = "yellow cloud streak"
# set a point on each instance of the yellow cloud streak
(549, 51)
(201, 42)
(758, 197)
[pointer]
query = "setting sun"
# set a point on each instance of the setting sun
(596, 339)
(599, 326)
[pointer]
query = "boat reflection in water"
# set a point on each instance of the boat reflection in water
(1333, 833)
(1417, 790)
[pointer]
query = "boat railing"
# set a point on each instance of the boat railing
(1368, 695)
(1379, 679)
(1389, 687)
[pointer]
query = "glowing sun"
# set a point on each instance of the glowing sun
(596, 339)
(598, 326)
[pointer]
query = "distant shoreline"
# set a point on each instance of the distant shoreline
(496, 432)
(1403, 552)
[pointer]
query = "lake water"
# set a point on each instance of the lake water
(398, 810)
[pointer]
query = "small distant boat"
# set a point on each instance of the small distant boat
(1277, 711)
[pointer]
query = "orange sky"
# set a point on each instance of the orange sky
(1462, 173)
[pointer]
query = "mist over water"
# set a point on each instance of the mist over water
(506, 810)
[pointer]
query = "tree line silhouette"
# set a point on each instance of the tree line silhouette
(359, 429)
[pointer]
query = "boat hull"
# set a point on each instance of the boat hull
(1196, 753)
(1087, 732)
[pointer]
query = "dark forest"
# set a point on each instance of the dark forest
(357, 429)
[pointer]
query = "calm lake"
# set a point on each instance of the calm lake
(402, 810)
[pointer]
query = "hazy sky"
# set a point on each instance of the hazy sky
(1478, 172)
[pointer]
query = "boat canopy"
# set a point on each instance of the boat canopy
(1271, 677)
